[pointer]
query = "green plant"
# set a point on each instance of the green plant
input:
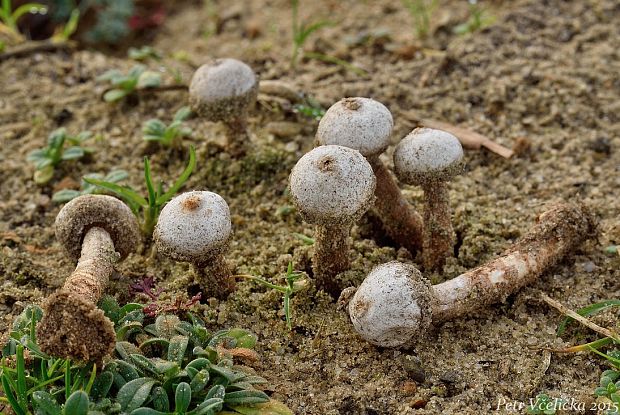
(295, 282)
(46, 159)
(9, 17)
(166, 135)
(34, 382)
(544, 405)
(112, 17)
(148, 52)
(609, 390)
(148, 207)
(64, 32)
(420, 12)
(302, 31)
(123, 85)
(66, 195)
(479, 18)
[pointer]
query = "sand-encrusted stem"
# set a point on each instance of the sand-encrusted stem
(395, 304)
(97, 231)
(365, 125)
(224, 90)
(195, 227)
(430, 158)
(332, 187)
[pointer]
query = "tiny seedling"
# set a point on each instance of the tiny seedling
(63, 33)
(167, 135)
(421, 12)
(123, 85)
(608, 391)
(148, 52)
(148, 207)
(46, 159)
(66, 195)
(479, 18)
(544, 405)
(302, 31)
(295, 281)
(9, 17)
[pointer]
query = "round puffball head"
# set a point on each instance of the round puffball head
(105, 212)
(332, 185)
(193, 227)
(223, 90)
(428, 155)
(393, 305)
(359, 123)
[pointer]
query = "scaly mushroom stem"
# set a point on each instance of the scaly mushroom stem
(402, 223)
(331, 256)
(215, 278)
(556, 234)
(237, 137)
(94, 268)
(438, 233)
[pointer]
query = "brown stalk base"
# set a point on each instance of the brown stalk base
(400, 220)
(331, 257)
(74, 328)
(558, 232)
(237, 137)
(438, 233)
(215, 278)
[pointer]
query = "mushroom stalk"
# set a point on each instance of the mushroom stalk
(331, 256)
(558, 231)
(395, 304)
(94, 267)
(237, 137)
(215, 278)
(438, 232)
(401, 221)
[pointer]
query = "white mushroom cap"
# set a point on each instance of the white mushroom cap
(427, 155)
(332, 185)
(393, 305)
(362, 124)
(193, 227)
(223, 89)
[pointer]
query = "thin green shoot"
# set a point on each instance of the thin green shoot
(590, 310)
(64, 33)
(301, 32)
(479, 18)
(148, 207)
(337, 61)
(421, 12)
(295, 281)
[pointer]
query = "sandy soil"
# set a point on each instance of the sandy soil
(543, 78)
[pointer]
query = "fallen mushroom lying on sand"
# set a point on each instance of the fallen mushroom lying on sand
(395, 305)
(97, 231)
(195, 227)
(332, 187)
(365, 125)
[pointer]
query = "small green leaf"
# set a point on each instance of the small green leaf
(44, 175)
(177, 348)
(133, 394)
(77, 404)
(46, 403)
(209, 406)
(245, 339)
(182, 114)
(245, 397)
(123, 192)
(182, 398)
(65, 195)
(199, 381)
(101, 386)
(147, 411)
(73, 153)
(272, 407)
(159, 399)
(149, 79)
(114, 95)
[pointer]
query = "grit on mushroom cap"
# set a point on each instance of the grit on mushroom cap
(332, 185)
(359, 123)
(89, 211)
(426, 155)
(193, 227)
(393, 305)
(223, 89)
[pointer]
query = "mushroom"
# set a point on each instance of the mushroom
(195, 227)
(224, 90)
(365, 125)
(332, 187)
(395, 304)
(430, 158)
(97, 231)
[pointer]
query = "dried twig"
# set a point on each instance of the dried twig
(36, 47)
(572, 314)
(470, 139)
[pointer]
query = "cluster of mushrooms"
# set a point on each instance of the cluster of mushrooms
(332, 186)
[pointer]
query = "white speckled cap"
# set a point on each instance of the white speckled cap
(393, 305)
(193, 227)
(222, 89)
(427, 155)
(332, 185)
(362, 124)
